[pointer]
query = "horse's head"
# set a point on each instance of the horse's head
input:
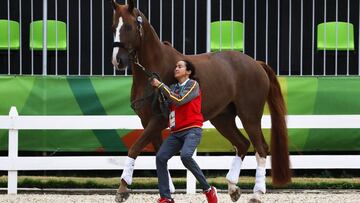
(127, 30)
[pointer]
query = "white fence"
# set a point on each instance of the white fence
(13, 163)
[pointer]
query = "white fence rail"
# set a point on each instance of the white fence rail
(13, 163)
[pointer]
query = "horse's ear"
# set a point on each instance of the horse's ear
(114, 4)
(130, 5)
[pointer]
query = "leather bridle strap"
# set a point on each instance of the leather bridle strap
(119, 44)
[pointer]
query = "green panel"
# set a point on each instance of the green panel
(116, 101)
(4, 140)
(227, 35)
(13, 38)
(213, 141)
(297, 139)
(55, 30)
(284, 87)
(338, 95)
(301, 95)
(110, 96)
(295, 89)
(335, 35)
(90, 104)
(58, 141)
(333, 140)
(50, 96)
(53, 96)
(14, 91)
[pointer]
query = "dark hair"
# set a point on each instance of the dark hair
(190, 66)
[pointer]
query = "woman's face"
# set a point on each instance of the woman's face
(180, 70)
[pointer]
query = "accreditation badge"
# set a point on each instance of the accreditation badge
(172, 119)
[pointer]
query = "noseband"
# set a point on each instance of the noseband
(133, 58)
(131, 52)
(119, 44)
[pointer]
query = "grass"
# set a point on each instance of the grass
(180, 183)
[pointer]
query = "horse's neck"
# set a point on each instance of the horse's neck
(153, 55)
(151, 49)
(146, 56)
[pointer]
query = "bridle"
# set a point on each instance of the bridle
(134, 59)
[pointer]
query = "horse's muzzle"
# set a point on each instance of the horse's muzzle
(122, 60)
(120, 56)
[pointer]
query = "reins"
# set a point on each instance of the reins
(133, 59)
(143, 69)
(161, 98)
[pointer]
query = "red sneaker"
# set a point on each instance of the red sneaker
(165, 200)
(211, 195)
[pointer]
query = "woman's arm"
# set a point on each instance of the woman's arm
(188, 93)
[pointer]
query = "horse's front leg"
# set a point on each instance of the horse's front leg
(154, 128)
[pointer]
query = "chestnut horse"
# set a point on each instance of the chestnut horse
(233, 84)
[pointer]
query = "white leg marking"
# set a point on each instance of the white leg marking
(234, 171)
(128, 170)
(260, 177)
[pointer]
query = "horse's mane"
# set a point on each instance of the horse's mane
(167, 43)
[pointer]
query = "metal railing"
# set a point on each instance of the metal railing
(271, 33)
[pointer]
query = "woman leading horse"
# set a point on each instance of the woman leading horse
(233, 84)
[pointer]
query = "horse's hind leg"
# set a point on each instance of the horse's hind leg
(225, 124)
(252, 125)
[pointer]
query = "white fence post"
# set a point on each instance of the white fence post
(13, 152)
(191, 180)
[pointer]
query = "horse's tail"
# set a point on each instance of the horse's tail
(280, 162)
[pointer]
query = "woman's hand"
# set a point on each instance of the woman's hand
(155, 82)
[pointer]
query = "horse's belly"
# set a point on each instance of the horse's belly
(211, 107)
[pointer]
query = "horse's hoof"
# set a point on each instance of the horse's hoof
(122, 196)
(253, 200)
(235, 195)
